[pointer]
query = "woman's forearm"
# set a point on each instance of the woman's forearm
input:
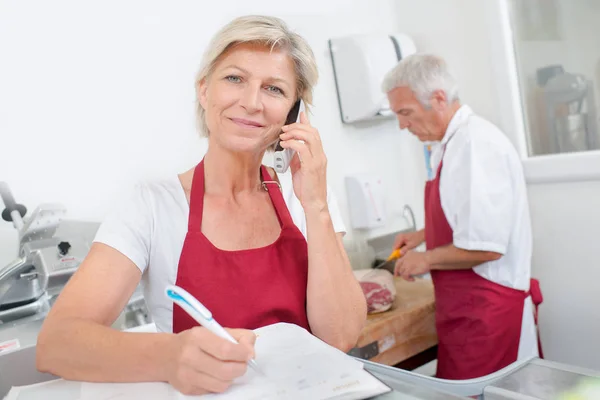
(77, 349)
(336, 305)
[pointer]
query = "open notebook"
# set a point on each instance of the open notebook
(296, 365)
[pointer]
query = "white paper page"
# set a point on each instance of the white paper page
(297, 365)
(358, 385)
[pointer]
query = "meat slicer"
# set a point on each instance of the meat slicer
(50, 249)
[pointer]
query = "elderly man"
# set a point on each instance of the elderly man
(477, 227)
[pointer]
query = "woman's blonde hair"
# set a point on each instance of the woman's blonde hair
(272, 32)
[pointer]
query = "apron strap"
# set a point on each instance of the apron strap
(197, 199)
(537, 298)
(274, 189)
(536, 293)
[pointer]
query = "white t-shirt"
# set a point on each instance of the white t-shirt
(150, 226)
(484, 199)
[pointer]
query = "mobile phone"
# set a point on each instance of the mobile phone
(283, 157)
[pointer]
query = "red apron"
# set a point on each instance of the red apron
(244, 288)
(478, 321)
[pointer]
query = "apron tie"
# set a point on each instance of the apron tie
(537, 298)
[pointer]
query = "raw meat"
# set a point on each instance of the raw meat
(378, 288)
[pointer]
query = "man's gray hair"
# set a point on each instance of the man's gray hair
(423, 74)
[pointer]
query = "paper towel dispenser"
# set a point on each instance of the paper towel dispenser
(360, 63)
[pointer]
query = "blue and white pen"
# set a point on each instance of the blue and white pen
(202, 315)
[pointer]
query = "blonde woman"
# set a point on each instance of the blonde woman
(253, 247)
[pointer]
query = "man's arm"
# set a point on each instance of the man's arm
(451, 257)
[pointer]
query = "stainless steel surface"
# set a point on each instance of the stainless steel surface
(10, 273)
(27, 326)
(26, 330)
(18, 369)
(135, 313)
(530, 379)
(18, 366)
(469, 387)
(44, 258)
(539, 379)
(16, 314)
(43, 222)
(571, 117)
(17, 221)
(572, 133)
(409, 391)
(50, 250)
(24, 280)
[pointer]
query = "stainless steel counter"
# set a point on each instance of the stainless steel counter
(18, 369)
(26, 329)
(410, 391)
(531, 380)
(539, 379)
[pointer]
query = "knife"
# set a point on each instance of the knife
(391, 261)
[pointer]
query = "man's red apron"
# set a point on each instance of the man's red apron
(478, 321)
(244, 288)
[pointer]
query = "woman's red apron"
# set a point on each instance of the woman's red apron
(244, 288)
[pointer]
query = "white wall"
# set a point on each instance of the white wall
(456, 30)
(98, 95)
(566, 228)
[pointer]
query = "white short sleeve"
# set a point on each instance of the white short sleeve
(128, 228)
(481, 210)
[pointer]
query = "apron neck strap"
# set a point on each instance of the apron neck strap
(197, 198)
(274, 189)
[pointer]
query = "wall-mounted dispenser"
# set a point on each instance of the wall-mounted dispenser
(366, 201)
(360, 63)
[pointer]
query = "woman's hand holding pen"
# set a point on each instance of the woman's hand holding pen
(203, 362)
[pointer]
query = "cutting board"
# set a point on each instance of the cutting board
(405, 330)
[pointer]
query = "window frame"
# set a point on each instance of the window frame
(561, 167)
